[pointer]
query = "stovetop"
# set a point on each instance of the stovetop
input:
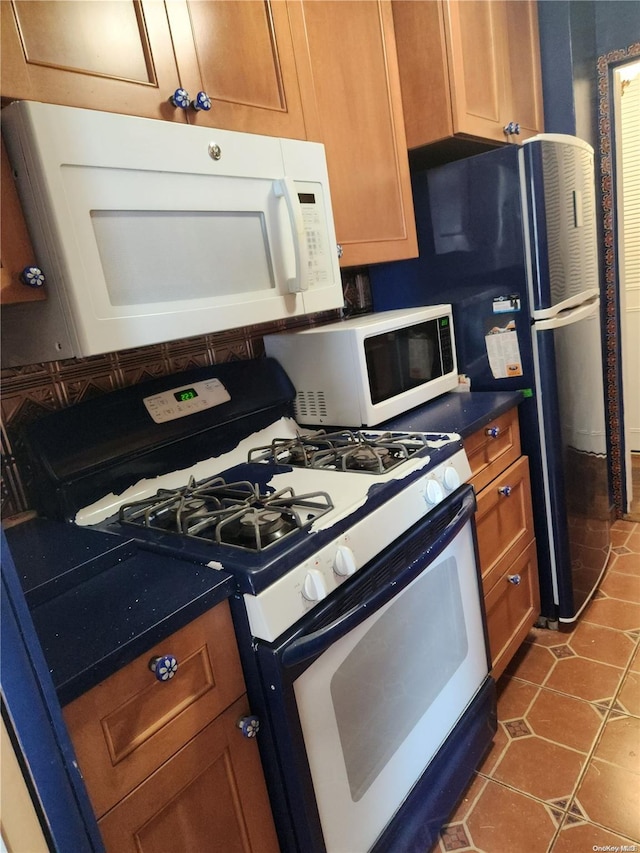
(236, 485)
(250, 513)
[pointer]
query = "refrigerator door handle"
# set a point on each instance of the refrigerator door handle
(571, 302)
(589, 309)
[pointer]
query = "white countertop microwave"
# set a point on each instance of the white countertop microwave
(365, 370)
(150, 231)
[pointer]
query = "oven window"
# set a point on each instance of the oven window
(389, 680)
(402, 359)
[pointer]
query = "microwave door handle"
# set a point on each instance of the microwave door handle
(317, 642)
(285, 188)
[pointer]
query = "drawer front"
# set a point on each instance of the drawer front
(512, 608)
(504, 520)
(210, 795)
(127, 726)
(493, 448)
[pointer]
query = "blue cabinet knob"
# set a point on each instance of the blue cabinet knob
(202, 101)
(504, 490)
(180, 99)
(492, 432)
(516, 580)
(163, 667)
(249, 725)
(512, 128)
(32, 277)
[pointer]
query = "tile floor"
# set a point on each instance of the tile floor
(563, 774)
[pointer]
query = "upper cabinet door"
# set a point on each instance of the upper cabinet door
(359, 108)
(240, 53)
(470, 69)
(523, 64)
(475, 34)
(115, 55)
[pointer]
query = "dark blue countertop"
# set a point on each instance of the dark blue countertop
(98, 601)
(463, 412)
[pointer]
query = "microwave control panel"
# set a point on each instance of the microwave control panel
(186, 400)
(314, 219)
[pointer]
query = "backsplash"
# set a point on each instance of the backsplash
(27, 393)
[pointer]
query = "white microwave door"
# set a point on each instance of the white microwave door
(158, 256)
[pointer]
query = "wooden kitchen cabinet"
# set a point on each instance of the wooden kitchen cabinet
(357, 102)
(469, 69)
(313, 69)
(16, 250)
(129, 56)
(241, 53)
(113, 55)
(505, 533)
(165, 764)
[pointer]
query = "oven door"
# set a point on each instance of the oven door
(364, 692)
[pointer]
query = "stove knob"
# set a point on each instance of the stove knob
(451, 478)
(313, 588)
(433, 492)
(344, 563)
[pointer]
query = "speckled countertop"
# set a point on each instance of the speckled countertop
(97, 601)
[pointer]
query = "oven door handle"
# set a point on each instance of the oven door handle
(315, 643)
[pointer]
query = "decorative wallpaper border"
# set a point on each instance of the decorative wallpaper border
(613, 374)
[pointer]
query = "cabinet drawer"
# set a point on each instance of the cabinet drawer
(209, 796)
(512, 608)
(493, 448)
(127, 726)
(504, 520)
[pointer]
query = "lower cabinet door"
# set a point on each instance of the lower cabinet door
(210, 796)
(512, 606)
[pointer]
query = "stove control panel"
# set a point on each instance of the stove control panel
(186, 400)
(286, 601)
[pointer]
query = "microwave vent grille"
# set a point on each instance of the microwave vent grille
(311, 404)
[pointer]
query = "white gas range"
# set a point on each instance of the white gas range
(358, 607)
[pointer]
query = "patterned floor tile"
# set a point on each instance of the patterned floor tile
(564, 720)
(573, 838)
(609, 796)
(514, 697)
(506, 820)
(610, 612)
(620, 745)
(525, 766)
(621, 585)
(532, 663)
(585, 679)
(599, 643)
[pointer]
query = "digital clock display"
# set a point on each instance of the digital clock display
(185, 394)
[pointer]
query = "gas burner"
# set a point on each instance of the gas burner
(298, 452)
(369, 452)
(256, 527)
(235, 514)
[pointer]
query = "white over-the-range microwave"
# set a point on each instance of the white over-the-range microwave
(149, 231)
(366, 370)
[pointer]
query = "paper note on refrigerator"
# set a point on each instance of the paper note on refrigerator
(503, 351)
